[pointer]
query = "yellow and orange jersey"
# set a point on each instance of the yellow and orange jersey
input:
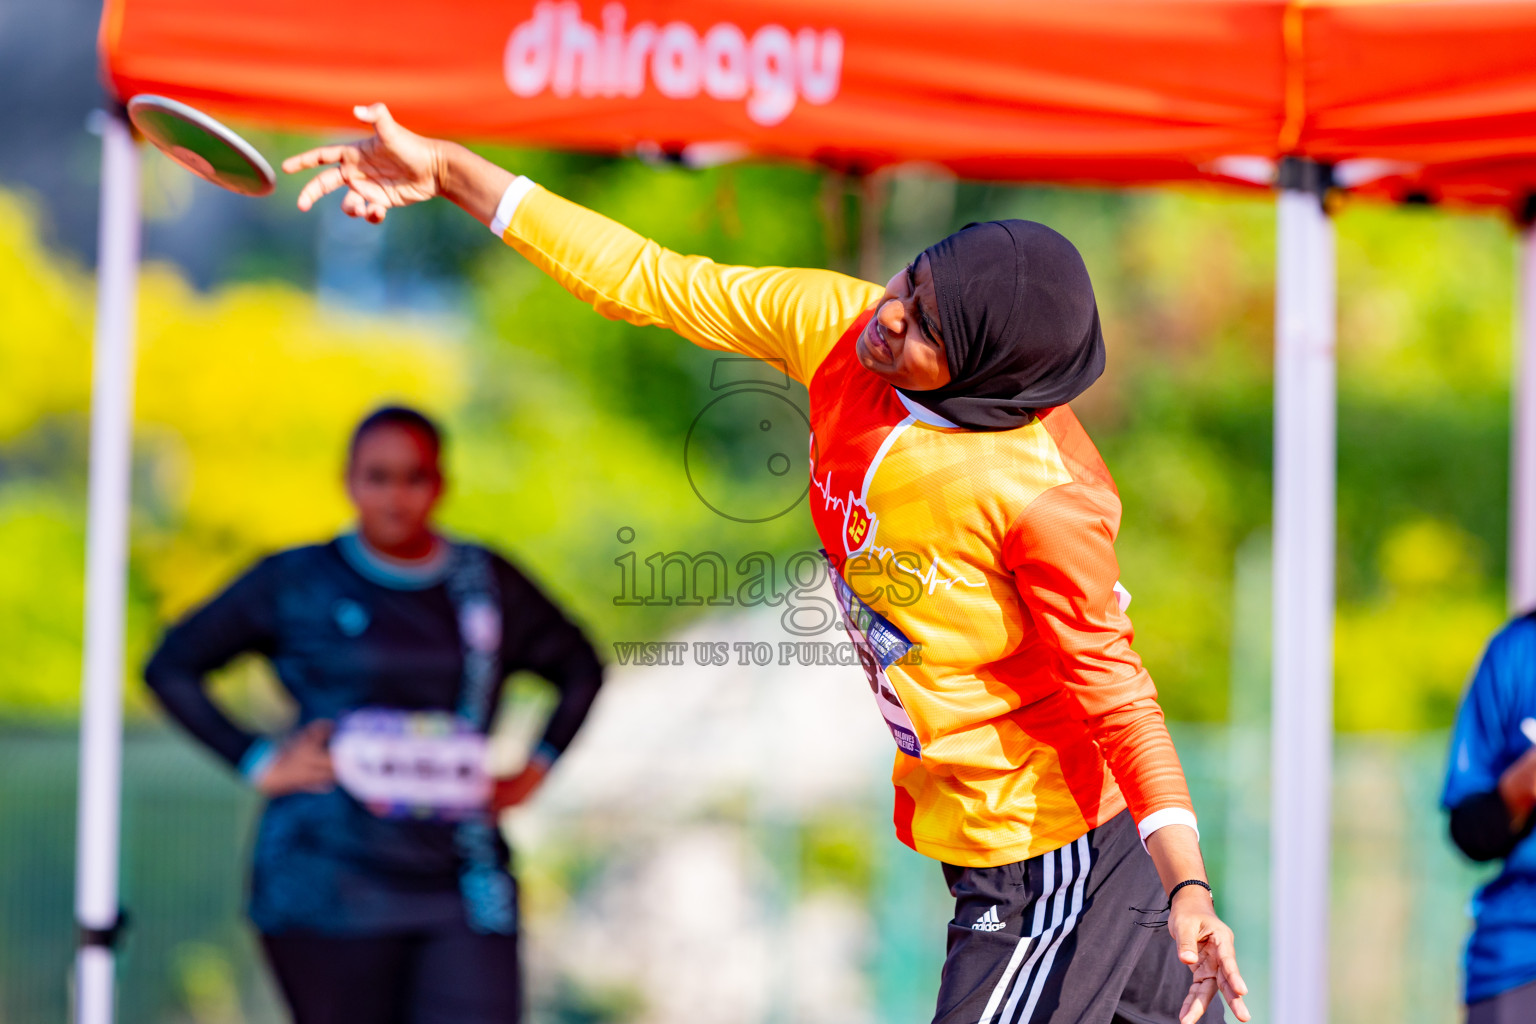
(976, 570)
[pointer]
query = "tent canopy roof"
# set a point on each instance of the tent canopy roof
(1434, 98)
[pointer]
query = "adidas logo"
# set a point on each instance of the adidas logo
(988, 922)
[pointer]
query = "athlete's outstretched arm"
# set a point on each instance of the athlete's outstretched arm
(791, 316)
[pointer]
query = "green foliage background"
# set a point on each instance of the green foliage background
(565, 427)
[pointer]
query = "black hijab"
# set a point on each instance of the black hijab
(1020, 324)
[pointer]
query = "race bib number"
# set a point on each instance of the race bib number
(879, 645)
(427, 765)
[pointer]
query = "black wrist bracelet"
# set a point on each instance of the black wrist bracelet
(1188, 881)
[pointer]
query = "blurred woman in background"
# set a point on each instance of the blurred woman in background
(381, 885)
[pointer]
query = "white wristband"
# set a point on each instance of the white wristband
(1167, 816)
(520, 187)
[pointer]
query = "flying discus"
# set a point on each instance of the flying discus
(202, 145)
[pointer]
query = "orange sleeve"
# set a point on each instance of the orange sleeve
(1062, 554)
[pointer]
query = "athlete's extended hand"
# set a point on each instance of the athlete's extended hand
(514, 789)
(302, 764)
(397, 167)
(394, 168)
(1205, 945)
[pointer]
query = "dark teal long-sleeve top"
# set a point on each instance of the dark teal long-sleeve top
(344, 629)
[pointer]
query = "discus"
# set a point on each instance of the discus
(202, 145)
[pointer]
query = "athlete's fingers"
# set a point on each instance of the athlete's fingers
(1219, 950)
(316, 157)
(378, 115)
(370, 190)
(1200, 995)
(359, 180)
(322, 184)
(1236, 1004)
(1227, 969)
(376, 213)
(1187, 935)
(352, 204)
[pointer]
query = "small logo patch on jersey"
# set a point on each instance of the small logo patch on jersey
(988, 922)
(858, 526)
(351, 617)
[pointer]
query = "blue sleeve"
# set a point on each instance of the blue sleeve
(1482, 745)
(240, 619)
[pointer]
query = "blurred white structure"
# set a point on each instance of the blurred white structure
(1306, 364)
(680, 778)
(106, 574)
(1522, 476)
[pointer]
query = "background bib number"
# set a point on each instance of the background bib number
(412, 764)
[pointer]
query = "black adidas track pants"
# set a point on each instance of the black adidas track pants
(1055, 939)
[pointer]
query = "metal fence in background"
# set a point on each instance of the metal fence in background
(186, 954)
(1399, 890)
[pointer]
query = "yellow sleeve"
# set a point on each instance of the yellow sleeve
(771, 313)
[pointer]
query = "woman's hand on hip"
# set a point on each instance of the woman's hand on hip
(1517, 787)
(302, 764)
(514, 789)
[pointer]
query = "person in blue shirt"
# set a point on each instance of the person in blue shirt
(381, 886)
(1490, 792)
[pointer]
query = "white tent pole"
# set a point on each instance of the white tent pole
(106, 574)
(1522, 484)
(1304, 527)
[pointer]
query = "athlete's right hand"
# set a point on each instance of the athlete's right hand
(302, 764)
(1206, 948)
(395, 167)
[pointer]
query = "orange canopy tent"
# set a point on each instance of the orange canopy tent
(1432, 100)
(1440, 96)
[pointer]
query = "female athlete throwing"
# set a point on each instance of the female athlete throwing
(1032, 756)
